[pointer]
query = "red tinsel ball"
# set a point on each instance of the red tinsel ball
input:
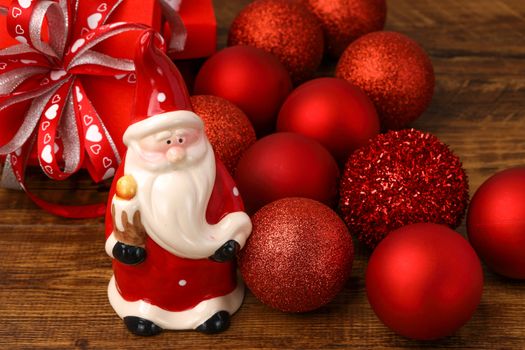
(337, 114)
(424, 281)
(285, 28)
(227, 127)
(394, 71)
(400, 178)
(286, 165)
(298, 256)
(344, 21)
(496, 222)
(252, 79)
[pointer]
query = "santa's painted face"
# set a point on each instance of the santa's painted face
(175, 171)
(172, 148)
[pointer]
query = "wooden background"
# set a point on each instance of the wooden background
(54, 272)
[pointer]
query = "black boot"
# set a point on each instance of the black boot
(141, 326)
(219, 322)
(129, 254)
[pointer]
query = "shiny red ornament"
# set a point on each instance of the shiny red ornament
(424, 281)
(227, 127)
(286, 165)
(285, 28)
(337, 114)
(299, 255)
(400, 178)
(394, 71)
(252, 79)
(496, 222)
(344, 21)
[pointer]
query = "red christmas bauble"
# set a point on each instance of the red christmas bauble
(496, 222)
(400, 178)
(344, 21)
(227, 127)
(252, 79)
(394, 71)
(285, 28)
(424, 281)
(286, 165)
(298, 256)
(337, 114)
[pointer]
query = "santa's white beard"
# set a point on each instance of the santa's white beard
(173, 207)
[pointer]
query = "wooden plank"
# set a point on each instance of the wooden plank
(54, 272)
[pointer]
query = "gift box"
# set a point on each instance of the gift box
(198, 17)
(67, 111)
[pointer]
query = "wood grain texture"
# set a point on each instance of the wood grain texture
(54, 272)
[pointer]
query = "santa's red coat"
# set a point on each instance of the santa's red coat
(171, 282)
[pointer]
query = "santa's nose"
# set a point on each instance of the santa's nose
(175, 154)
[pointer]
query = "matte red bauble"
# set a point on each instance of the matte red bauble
(337, 114)
(424, 281)
(394, 71)
(496, 222)
(344, 21)
(286, 29)
(298, 256)
(252, 79)
(227, 127)
(286, 165)
(400, 178)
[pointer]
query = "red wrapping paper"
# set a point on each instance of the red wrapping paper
(199, 18)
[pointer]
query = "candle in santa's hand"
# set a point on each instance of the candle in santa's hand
(126, 187)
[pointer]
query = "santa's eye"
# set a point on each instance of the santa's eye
(168, 142)
(181, 140)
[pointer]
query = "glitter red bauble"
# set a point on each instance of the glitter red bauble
(394, 71)
(286, 165)
(344, 21)
(285, 28)
(424, 281)
(227, 127)
(496, 222)
(252, 79)
(337, 114)
(298, 256)
(400, 178)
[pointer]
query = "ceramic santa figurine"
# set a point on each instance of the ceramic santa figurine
(175, 219)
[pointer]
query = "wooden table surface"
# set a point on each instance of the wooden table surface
(54, 272)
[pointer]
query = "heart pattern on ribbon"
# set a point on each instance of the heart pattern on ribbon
(93, 134)
(51, 112)
(46, 154)
(94, 20)
(24, 3)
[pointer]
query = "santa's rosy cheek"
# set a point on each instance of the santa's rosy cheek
(191, 137)
(153, 157)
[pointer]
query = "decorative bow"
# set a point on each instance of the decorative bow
(41, 89)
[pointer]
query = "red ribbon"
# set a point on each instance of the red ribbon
(45, 78)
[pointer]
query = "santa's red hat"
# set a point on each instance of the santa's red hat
(161, 97)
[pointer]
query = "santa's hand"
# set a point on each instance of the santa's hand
(128, 254)
(227, 252)
(127, 228)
